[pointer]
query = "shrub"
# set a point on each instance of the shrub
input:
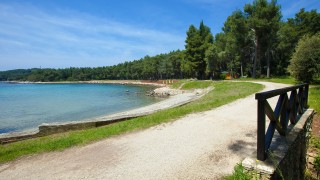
(223, 76)
(239, 173)
(305, 62)
(317, 164)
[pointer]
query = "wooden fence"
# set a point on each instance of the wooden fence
(285, 110)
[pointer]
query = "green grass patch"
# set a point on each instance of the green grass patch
(283, 80)
(176, 85)
(239, 173)
(223, 93)
(187, 84)
(197, 85)
(315, 142)
(314, 98)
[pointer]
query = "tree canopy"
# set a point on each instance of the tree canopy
(254, 42)
(197, 43)
(305, 61)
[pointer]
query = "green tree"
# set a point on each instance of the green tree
(150, 68)
(263, 19)
(176, 59)
(193, 52)
(220, 44)
(237, 36)
(305, 62)
(211, 58)
(197, 43)
(304, 23)
(206, 42)
(286, 35)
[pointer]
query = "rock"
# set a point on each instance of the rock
(150, 93)
(311, 160)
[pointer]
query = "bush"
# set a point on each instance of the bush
(223, 76)
(317, 164)
(239, 174)
(305, 62)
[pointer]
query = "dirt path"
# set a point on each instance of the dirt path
(203, 145)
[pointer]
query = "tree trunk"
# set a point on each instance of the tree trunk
(255, 58)
(231, 73)
(241, 69)
(268, 64)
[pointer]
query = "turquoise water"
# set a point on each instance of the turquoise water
(25, 106)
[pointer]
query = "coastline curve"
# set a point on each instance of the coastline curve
(176, 98)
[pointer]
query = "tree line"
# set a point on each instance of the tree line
(254, 42)
(163, 66)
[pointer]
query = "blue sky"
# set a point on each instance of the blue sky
(79, 33)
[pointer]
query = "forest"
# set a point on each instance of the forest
(254, 42)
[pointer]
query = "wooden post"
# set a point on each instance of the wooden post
(261, 154)
(306, 94)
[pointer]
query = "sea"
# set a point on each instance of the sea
(23, 107)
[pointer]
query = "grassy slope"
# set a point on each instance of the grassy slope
(283, 80)
(314, 98)
(224, 92)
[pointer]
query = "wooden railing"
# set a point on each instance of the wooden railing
(285, 110)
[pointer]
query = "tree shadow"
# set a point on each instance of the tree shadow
(316, 82)
(242, 147)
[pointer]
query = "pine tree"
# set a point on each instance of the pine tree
(197, 43)
(264, 21)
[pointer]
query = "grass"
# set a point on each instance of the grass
(284, 80)
(239, 173)
(197, 85)
(314, 98)
(179, 83)
(191, 84)
(223, 93)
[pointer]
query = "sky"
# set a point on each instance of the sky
(83, 33)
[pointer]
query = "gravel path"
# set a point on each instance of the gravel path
(203, 145)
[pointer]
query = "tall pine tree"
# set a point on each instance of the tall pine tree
(197, 43)
(264, 20)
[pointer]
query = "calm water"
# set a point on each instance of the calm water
(25, 106)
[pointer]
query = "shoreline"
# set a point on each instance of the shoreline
(122, 82)
(175, 98)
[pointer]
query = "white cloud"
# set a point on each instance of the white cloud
(29, 35)
(289, 9)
